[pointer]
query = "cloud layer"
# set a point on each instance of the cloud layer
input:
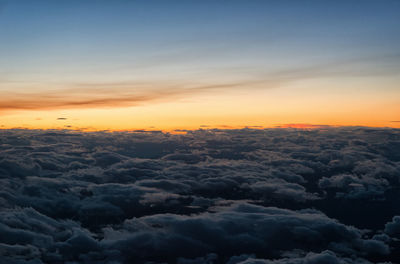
(209, 196)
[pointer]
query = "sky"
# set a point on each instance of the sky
(122, 65)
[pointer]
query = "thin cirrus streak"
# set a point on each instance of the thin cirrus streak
(133, 93)
(121, 96)
(303, 126)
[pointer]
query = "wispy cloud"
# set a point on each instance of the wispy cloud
(94, 95)
(133, 93)
(303, 126)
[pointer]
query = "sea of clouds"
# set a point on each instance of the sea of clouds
(276, 196)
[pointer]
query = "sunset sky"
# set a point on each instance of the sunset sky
(121, 65)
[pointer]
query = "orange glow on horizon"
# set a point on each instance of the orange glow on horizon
(295, 106)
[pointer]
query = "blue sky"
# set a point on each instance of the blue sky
(88, 35)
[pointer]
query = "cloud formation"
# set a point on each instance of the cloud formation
(208, 196)
(106, 95)
(136, 92)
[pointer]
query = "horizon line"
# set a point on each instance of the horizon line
(293, 126)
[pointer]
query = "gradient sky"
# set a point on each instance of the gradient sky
(189, 64)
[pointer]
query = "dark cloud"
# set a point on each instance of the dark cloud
(393, 228)
(209, 196)
(326, 257)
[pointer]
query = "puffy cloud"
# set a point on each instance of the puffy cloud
(353, 186)
(393, 228)
(238, 229)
